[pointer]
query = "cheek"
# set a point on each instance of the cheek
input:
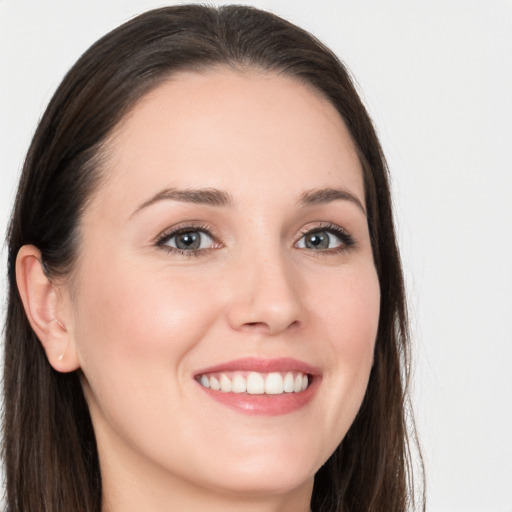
(361, 306)
(128, 318)
(353, 317)
(137, 329)
(351, 310)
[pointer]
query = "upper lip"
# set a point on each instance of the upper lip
(262, 365)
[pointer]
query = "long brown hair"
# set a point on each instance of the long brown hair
(51, 460)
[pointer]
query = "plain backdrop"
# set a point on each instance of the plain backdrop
(437, 79)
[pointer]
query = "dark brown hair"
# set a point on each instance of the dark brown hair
(51, 460)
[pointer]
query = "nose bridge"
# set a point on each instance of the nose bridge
(267, 294)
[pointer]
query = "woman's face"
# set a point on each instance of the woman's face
(228, 246)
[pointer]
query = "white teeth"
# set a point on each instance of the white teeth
(238, 384)
(304, 382)
(274, 384)
(225, 384)
(288, 383)
(214, 383)
(256, 383)
(297, 385)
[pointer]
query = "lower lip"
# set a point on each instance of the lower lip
(265, 405)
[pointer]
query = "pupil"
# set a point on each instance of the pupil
(188, 241)
(319, 240)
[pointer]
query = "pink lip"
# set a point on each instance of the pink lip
(265, 405)
(256, 364)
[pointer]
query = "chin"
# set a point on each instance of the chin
(270, 472)
(267, 481)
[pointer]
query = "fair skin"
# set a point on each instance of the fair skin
(281, 279)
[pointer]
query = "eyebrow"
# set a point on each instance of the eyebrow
(327, 195)
(215, 197)
(206, 196)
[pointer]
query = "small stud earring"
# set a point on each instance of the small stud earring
(61, 357)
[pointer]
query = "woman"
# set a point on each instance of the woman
(206, 306)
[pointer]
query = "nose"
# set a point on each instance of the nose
(266, 297)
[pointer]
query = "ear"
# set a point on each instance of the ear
(47, 309)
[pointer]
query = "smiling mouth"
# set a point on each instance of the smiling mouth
(261, 386)
(256, 383)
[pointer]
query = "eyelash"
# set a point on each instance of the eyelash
(176, 231)
(347, 241)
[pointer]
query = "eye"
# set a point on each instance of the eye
(318, 240)
(187, 239)
(329, 238)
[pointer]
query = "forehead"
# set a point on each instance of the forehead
(230, 130)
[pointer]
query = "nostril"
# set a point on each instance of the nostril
(254, 326)
(269, 327)
(266, 314)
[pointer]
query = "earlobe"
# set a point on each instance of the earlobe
(43, 303)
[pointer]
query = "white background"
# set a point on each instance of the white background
(437, 79)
